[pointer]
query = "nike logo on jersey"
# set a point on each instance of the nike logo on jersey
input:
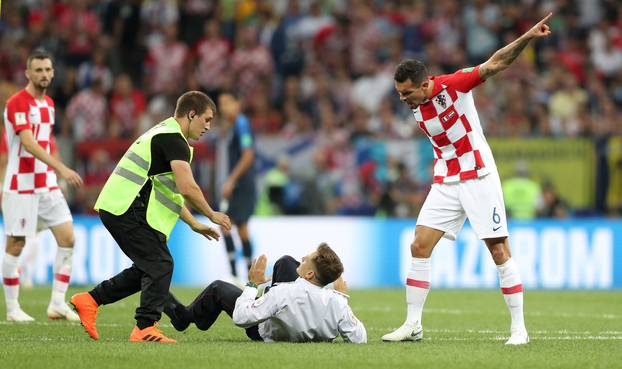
(496, 229)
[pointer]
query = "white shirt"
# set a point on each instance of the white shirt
(297, 312)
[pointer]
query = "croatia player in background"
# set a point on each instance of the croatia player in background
(466, 181)
(31, 248)
(31, 198)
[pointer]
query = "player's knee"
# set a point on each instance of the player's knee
(216, 285)
(419, 249)
(167, 265)
(67, 241)
(497, 251)
(15, 245)
(284, 260)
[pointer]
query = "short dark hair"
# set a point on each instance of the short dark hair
(327, 264)
(411, 69)
(38, 54)
(194, 100)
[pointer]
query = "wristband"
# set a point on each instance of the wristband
(251, 284)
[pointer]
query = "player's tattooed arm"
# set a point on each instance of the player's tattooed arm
(505, 56)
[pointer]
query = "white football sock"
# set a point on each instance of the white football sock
(512, 290)
(62, 272)
(417, 288)
(10, 278)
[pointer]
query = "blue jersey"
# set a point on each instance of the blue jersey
(242, 139)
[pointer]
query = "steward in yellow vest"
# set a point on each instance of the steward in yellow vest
(140, 204)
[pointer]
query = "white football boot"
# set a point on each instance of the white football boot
(18, 315)
(407, 332)
(62, 311)
(519, 337)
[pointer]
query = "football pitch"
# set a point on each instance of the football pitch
(462, 329)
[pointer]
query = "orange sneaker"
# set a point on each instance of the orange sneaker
(86, 307)
(149, 334)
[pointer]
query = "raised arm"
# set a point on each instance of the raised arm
(504, 57)
(249, 311)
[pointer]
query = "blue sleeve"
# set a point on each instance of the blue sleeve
(243, 130)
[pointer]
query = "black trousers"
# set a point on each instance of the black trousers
(219, 296)
(152, 266)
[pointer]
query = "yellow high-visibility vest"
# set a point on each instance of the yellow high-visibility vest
(131, 174)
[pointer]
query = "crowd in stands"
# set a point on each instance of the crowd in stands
(322, 69)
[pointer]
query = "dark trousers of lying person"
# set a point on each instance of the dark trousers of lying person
(221, 296)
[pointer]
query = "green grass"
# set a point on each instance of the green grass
(463, 329)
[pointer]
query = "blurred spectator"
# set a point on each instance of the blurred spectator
(390, 125)
(212, 60)
(63, 93)
(521, 194)
(607, 58)
(403, 196)
(371, 87)
(122, 22)
(272, 196)
(157, 15)
(365, 37)
(14, 30)
(480, 23)
(80, 27)
(250, 61)
(94, 69)
(160, 107)
(320, 71)
(14, 67)
(97, 172)
(166, 62)
(565, 105)
(193, 16)
(87, 114)
(264, 117)
(553, 206)
(127, 104)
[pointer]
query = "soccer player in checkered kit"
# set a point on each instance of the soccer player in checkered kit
(31, 198)
(466, 181)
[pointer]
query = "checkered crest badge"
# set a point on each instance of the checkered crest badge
(441, 100)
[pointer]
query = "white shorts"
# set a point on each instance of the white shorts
(480, 200)
(26, 214)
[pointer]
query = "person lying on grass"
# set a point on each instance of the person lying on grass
(297, 307)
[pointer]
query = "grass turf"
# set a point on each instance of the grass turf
(463, 329)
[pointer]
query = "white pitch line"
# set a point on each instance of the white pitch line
(431, 330)
(608, 316)
(59, 323)
(534, 332)
(429, 339)
(532, 338)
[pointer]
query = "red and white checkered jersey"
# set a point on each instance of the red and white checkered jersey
(4, 149)
(25, 173)
(213, 61)
(450, 121)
